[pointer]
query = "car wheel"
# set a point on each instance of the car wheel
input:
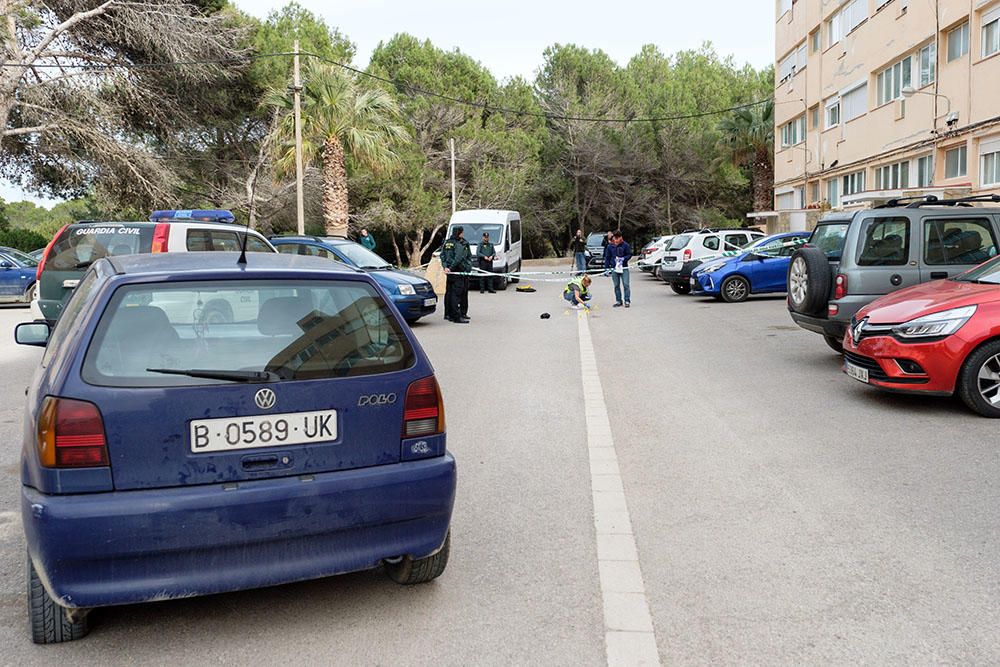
(836, 344)
(517, 280)
(505, 280)
(809, 281)
(680, 288)
(46, 619)
(29, 294)
(408, 571)
(979, 380)
(735, 289)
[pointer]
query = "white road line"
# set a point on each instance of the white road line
(628, 626)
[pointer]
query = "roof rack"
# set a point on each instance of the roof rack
(961, 201)
(895, 203)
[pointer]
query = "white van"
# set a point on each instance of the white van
(504, 228)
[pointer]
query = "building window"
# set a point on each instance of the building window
(925, 171)
(893, 79)
(784, 6)
(816, 40)
(927, 64)
(814, 116)
(854, 103)
(989, 168)
(794, 131)
(833, 193)
(955, 162)
(814, 191)
(853, 183)
(850, 16)
(832, 112)
(793, 63)
(892, 176)
(991, 32)
(958, 42)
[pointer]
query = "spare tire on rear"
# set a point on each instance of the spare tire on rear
(809, 281)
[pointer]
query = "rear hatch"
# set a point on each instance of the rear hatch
(339, 367)
(77, 247)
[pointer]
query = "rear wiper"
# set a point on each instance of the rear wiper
(232, 376)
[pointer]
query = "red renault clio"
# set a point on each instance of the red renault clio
(939, 338)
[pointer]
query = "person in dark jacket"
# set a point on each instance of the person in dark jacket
(616, 257)
(367, 240)
(456, 258)
(487, 253)
(579, 247)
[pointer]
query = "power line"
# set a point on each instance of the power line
(482, 106)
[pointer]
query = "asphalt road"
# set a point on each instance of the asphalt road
(783, 513)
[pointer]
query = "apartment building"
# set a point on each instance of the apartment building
(878, 99)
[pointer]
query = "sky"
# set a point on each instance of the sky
(509, 36)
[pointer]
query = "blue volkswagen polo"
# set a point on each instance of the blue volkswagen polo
(167, 454)
(734, 279)
(412, 294)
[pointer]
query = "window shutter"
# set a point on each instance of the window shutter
(989, 145)
(991, 16)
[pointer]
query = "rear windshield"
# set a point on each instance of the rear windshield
(80, 246)
(679, 242)
(830, 239)
(295, 330)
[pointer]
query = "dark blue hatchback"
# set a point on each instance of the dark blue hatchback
(167, 454)
(412, 294)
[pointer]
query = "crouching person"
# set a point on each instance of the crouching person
(577, 292)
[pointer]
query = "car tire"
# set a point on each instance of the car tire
(809, 281)
(29, 294)
(735, 289)
(836, 344)
(680, 288)
(47, 619)
(985, 359)
(408, 571)
(505, 281)
(517, 280)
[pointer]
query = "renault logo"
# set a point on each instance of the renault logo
(857, 330)
(265, 399)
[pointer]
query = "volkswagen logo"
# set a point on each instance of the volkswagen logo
(265, 399)
(857, 330)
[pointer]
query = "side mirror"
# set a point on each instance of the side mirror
(32, 333)
(6, 265)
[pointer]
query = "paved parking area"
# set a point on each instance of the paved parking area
(781, 512)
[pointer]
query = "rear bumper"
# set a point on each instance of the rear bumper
(821, 325)
(139, 546)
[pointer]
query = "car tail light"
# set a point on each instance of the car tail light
(161, 234)
(423, 410)
(840, 286)
(45, 255)
(832, 310)
(687, 255)
(71, 434)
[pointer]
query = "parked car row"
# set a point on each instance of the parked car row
(205, 422)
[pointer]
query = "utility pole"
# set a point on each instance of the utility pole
(451, 142)
(300, 215)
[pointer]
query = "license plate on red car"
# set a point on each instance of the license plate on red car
(857, 372)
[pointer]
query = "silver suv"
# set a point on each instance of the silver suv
(854, 258)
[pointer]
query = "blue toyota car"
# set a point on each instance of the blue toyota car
(413, 295)
(168, 455)
(734, 279)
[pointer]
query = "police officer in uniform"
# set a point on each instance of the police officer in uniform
(456, 257)
(487, 253)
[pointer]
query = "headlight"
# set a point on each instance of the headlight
(407, 290)
(944, 323)
(711, 269)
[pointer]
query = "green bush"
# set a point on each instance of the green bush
(22, 239)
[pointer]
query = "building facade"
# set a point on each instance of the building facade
(879, 99)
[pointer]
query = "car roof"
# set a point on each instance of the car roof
(329, 240)
(480, 215)
(223, 264)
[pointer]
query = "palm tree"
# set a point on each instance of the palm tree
(339, 120)
(748, 140)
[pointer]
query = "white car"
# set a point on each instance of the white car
(696, 245)
(653, 254)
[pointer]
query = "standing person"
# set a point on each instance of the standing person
(487, 253)
(577, 292)
(367, 240)
(579, 248)
(456, 258)
(616, 257)
(606, 241)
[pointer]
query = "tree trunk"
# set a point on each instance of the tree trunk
(395, 248)
(762, 174)
(335, 210)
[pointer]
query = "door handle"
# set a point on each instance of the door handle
(938, 275)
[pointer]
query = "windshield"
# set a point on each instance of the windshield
(595, 238)
(830, 239)
(22, 258)
(293, 329)
(474, 233)
(361, 257)
(80, 246)
(988, 272)
(679, 242)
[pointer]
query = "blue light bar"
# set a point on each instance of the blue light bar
(195, 215)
